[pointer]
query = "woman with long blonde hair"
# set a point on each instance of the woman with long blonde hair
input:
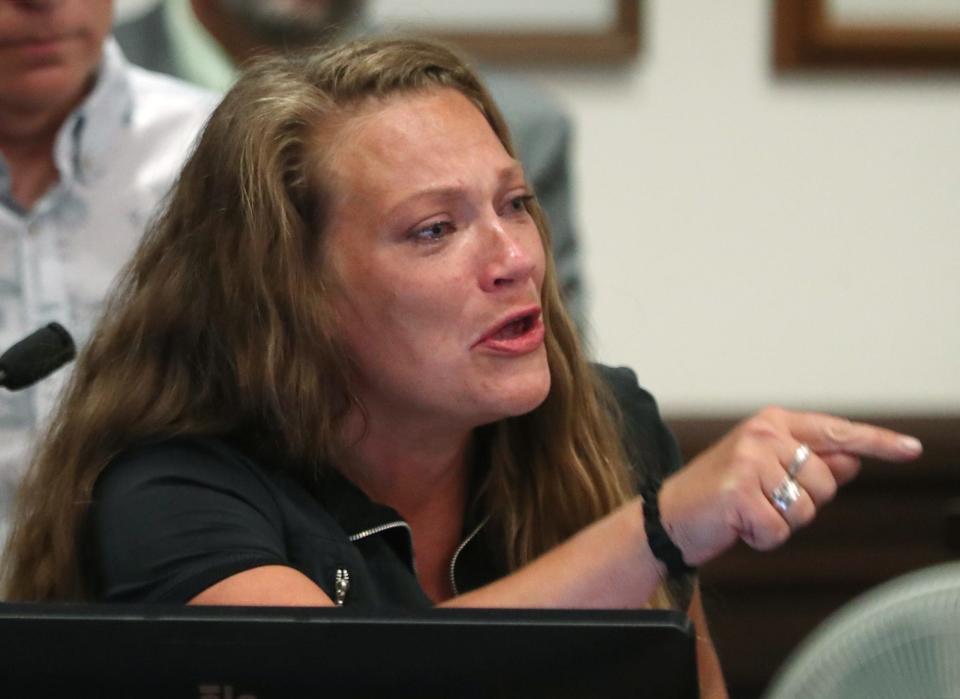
(339, 371)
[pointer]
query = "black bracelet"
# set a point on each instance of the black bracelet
(657, 538)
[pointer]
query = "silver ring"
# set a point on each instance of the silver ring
(785, 494)
(800, 457)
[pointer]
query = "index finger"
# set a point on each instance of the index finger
(829, 434)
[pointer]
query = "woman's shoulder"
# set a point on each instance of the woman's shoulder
(187, 460)
(648, 442)
(636, 404)
(626, 388)
(170, 518)
(185, 475)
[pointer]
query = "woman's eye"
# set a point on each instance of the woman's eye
(433, 232)
(519, 204)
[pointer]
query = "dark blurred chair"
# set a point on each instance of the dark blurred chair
(899, 640)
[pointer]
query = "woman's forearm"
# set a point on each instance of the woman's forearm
(606, 565)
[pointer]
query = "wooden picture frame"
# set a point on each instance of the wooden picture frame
(616, 43)
(807, 37)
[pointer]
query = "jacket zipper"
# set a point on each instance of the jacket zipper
(341, 586)
(400, 523)
(463, 545)
(384, 527)
(380, 528)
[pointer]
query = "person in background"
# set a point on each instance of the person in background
(88, 146)
(360, 385)
(204, 41)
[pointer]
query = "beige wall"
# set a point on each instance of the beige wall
(752, 239)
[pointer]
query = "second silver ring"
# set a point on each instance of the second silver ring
(800, 457)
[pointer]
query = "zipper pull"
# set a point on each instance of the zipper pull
(341, 585)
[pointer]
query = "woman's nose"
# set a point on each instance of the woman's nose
(510, 258)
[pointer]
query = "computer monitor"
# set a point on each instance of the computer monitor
(62, 650)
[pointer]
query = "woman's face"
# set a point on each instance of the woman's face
(439, 266)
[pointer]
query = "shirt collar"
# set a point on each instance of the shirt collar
(350, 506)
(356, 512)
(85, 142)
(197, 56)
(475, 562)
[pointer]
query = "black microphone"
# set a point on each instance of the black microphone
(37, 355)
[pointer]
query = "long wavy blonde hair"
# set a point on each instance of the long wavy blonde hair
(221, 324)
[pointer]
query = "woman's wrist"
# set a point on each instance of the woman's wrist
(664, 549)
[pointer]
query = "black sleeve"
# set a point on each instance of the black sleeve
(651, 448)
(648, 442)
(169, 520)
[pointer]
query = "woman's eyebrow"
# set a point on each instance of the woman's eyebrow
(506, 174)
(512, 171)
(430, 194)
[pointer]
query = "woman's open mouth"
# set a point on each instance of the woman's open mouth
(519, 334)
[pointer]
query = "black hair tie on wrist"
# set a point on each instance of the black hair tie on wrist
(657, 538)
